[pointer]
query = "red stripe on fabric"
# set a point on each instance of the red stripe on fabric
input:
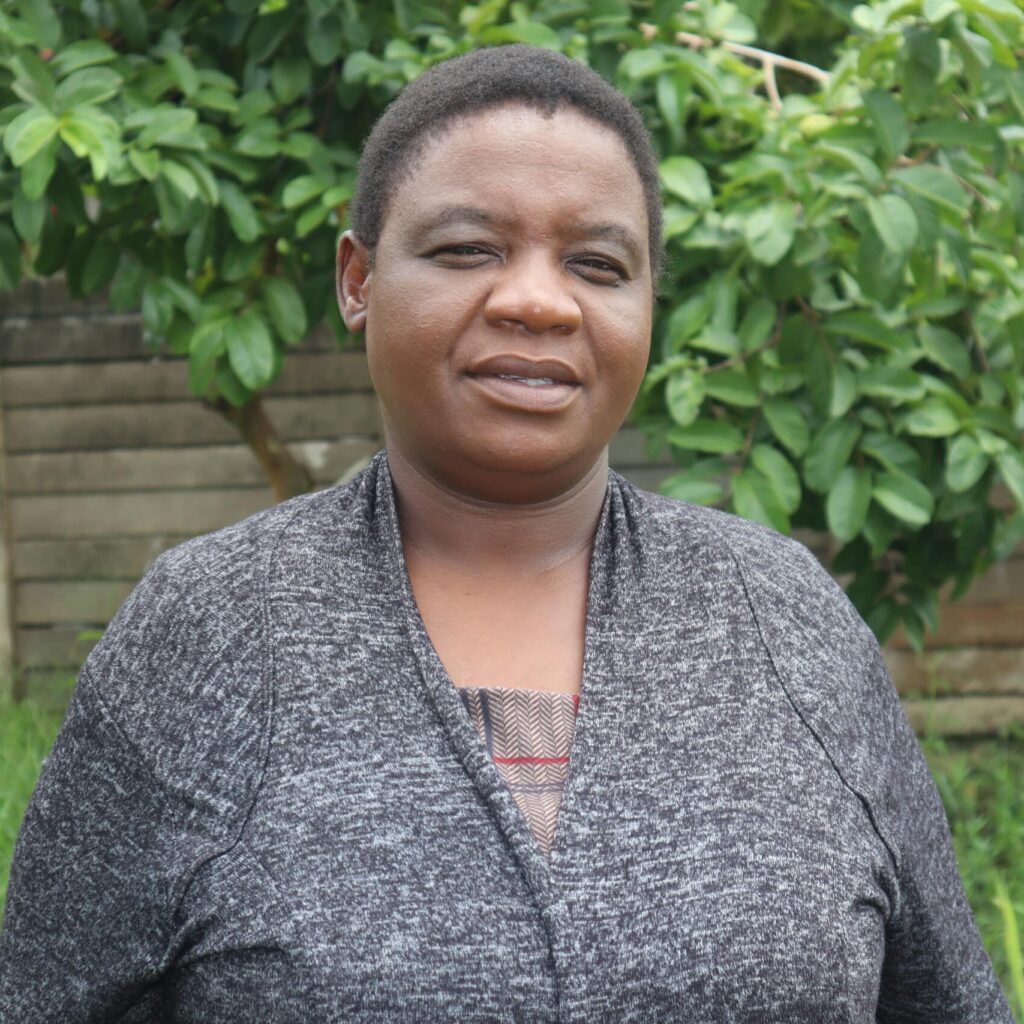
(576, 702)
(531, 760)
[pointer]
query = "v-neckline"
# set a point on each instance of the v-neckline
(542, 873)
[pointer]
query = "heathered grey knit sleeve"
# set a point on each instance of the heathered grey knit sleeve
(935, 967)
(147, 780)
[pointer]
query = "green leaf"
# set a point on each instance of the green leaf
(945, 348)
(895, 222)
(28, 133)
(934, 184)
(965, 463)
(753, 498)
(100, 265)
(779, 473)
(932, 418)
(43, 22)
(846, 507)
(82, 54)
(787, 423)
(250, 349)
(206, 182)
(867, 169)
(889, 123)
(301, 190)
(829, 453)
(531, 32)
(88, 87)
(180, 178)
(699, 484)
(289, 78)
(687, 179)
(183, 72)
(145, 161)
(83, 140)
(905, 498)
(891, 384)
(684, 395)
(37, 172)
(938, 10)
(707, 436)
(287, 313)
(311, 219)
(891, 453)
(10, 259)
(769, 232)
(733, 387)
(242, 215)
(1010, 464)
(864, 327)
(28, 215)
(163, 126)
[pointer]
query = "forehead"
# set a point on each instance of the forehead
(524, 166)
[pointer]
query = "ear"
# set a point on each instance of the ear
(353, 281)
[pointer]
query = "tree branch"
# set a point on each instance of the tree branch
(769, 61)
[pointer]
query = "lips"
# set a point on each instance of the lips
(518, 383)
(510, 365)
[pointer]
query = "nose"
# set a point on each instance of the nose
(532, 294)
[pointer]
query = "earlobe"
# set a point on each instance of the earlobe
(353, 281)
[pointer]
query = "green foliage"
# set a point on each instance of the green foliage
(27, 732)
(840, 343)
(980, 787)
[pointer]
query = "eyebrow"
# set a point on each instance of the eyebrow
(446, 216)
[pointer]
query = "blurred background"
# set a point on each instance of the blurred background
(838, 350)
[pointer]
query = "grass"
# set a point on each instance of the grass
(980, 783)
(27, 732)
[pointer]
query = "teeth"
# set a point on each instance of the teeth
(532, 382)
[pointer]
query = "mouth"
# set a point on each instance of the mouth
(533, 385)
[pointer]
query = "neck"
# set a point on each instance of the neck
(440, 526)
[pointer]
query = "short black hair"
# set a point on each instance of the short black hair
(482, 79)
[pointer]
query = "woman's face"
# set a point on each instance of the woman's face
(508, 311)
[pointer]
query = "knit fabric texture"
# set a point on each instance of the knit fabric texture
(268, 803)
(528, 734)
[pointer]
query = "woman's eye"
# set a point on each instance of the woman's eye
(603, 266)
(462, 250)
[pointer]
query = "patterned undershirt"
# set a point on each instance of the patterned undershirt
(528, 733)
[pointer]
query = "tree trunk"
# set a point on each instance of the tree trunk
(288, 476)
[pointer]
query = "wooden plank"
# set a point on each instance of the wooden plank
(54, 647)
(142, 469)
(49, 296)
(71, 338)
(964, 716)
(963, 625)
(148, 514)
(170, 424)
(90, 559)
(7, 653)
(166, 379)
(97, 335)
(962, 670)
(89, 603)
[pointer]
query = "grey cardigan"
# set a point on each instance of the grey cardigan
(267, 802)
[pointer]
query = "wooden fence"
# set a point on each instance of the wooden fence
(106, 460)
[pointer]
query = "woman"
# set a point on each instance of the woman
(269, 801)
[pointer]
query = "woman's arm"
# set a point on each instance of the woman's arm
(154, 770)
(936, 969)
(87, 927)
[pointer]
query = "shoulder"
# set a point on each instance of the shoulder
(182, 669)
(823, 654)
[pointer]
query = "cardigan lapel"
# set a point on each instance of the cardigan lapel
(598, 719)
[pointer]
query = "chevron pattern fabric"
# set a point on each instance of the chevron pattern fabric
(528, 733)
